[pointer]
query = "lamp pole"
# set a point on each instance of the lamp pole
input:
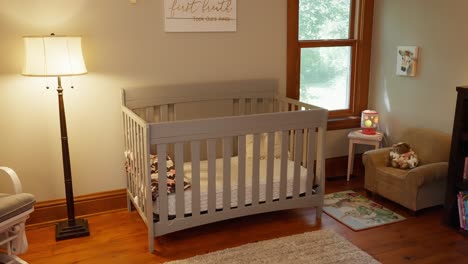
(72, 227)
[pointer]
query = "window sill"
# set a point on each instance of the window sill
(344, 123)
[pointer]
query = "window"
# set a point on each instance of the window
(329, 56)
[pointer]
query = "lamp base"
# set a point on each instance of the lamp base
(66, 230)
(368, 131)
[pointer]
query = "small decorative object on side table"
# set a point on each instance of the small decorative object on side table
(359, 137)
(369, 122)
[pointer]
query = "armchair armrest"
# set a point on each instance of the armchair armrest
(14, 179)
(376, 157)
(428, 173)
(371, 160)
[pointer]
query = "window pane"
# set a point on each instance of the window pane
(325, 77)
(324, 19)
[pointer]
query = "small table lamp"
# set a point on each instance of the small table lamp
(369, 122)
(57, 56)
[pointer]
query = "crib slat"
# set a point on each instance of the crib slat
(195, 149)
(261, 105)
(235, 107)
(241, 177)
(270, 107)
(291, 144)
(253, 106)
(304, 147)
(124, 123)
(284, 164)
(211, 144)
(241, 106)
(171, 115)
(157, 114)
(310, 161)
(227, 153)
(127, 160)
(297, 162)
(162, 182)
(180, 192)
(130, 148)
(269, 171)
(149, 114)
(255, 169)
(267, 105)
(133, 149)
(163, 112)
(138, 160)
(276, 105)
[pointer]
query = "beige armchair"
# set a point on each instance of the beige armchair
(418, 188)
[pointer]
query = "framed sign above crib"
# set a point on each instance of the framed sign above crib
(200, 15)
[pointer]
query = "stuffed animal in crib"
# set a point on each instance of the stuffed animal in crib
(402, 156)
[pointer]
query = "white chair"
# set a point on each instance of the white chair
(14, 210)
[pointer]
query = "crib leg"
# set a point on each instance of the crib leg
(318, 213)
(151, 243)
(129, 204)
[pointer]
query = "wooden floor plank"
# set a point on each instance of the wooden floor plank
(120, 237)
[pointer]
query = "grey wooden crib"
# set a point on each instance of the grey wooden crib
(243, 149)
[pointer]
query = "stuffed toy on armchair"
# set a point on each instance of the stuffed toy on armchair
(402, 156)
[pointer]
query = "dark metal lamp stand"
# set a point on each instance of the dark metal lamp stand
(72, 227)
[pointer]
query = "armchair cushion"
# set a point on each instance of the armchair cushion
(15, 204)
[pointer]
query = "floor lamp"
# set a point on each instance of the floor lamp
(57, 56)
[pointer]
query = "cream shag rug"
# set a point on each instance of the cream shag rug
(323, 246)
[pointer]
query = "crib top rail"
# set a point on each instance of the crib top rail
(180, 131)
(172, 94)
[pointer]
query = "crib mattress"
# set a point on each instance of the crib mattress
(234, 183)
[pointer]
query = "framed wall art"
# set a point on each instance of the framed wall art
(200, 15)
(407, 60)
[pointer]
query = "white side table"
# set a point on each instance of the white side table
(357, 137)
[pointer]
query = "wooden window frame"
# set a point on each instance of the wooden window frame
(360, 42)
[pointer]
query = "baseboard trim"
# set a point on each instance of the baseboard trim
(337, 167)
(52, 211)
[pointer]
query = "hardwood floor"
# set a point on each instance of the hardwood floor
(121, 237)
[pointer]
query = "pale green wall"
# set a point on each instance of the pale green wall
(427, 100)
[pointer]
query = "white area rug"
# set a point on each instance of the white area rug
(323, 246)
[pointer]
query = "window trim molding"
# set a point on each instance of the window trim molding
(362, 30)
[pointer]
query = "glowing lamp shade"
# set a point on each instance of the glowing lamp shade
(53, 56)
(369, 121)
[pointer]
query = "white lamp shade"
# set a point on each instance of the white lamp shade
(53, 56)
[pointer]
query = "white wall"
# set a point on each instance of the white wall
(124, 45)
(427, 100)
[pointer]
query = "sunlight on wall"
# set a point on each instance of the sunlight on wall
(386, 98)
